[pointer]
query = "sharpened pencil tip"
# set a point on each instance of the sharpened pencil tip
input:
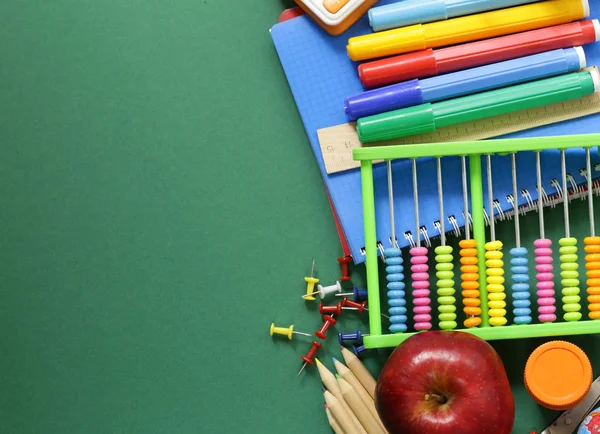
(337, 376)
(318, 361)
(323, 389)
(335, 360)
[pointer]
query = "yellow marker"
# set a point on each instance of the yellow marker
(468, 28)
(285, 331)
(310, 284)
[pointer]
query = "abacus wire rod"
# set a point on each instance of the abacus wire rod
(416, 201)
(391, 199)
(441, 201)
(563, 163)
(491, 198)
(465, 197)
(588, 168)
(540, 200)
(515, 200)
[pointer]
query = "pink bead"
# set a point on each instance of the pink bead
(547, 318)
(421, 293)
(418, 251)
(544, 242)
(421, 284)
(545, 293)
(420, 276)
(543, 252)
(545, 277)
(422, 301)
(418, 260)
(544, 260)
(422, 318)
(547, 309)
(423, 326)
(419, 268)
(546, 301)
(422, 309)
(544, 268)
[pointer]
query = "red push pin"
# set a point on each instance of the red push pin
(329, 321)
(360, 307)
(308, 358)
(337, 309)
(345, 267)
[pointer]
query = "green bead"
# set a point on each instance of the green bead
(443, 258)
(569, 274)
(568, 241)
(570, 285)
(446, 300)
(448, 325)
(444, 275)
(446, 308)
(567, 258)
(575, 307)
(570, 266)
(572, 316)
(443, 250)
(444, 266)
(571, 299)
(447, 317)
(446, 291)
(446, 283)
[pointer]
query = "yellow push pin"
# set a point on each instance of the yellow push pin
(289, 331)
(310, 284)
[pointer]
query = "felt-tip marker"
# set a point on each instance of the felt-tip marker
(465, 29)
(470, 81)
(406, 13)
(427, 118)
(427, 63)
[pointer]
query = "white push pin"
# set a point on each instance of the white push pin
(326, 290)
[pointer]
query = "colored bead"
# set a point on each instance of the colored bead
(570, 279)
(420, 284)
(328, 321)
(345, 268)
(495, 283)
(337, 309)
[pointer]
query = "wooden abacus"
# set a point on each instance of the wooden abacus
(484, 297)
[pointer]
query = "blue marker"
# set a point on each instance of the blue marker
(409, 12)
(469, 81)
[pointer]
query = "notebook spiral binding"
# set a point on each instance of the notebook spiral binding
(576, 191)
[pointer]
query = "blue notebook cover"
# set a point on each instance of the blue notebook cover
(321, 75)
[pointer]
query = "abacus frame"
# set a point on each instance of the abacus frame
(474, 150)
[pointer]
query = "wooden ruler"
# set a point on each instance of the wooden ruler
(338, 142)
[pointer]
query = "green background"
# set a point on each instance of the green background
(145, 248)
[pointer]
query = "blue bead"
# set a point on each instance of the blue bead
(520, 278)
(518, 251)
(394, 269)
(398, 319)
(523, 320)
(396, 286)
(394, 261)
(398, 328)
(392, 252)
(519, 261)
(519, 269)
(399, 277)
(396, 302)
(522, 312)
(396, 294)
(521, 295)
(397, 311)
(521, 303)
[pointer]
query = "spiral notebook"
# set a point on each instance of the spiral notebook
(321, 75)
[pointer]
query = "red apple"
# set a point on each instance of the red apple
(443, 382)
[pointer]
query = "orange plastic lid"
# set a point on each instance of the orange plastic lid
(558, 375)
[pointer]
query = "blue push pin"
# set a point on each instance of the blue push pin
(357, 294)
(357, 336)
(358, 350)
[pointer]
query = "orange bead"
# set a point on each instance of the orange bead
(471, 302)
(593, 289)
(468, 252)
(592, 241)
(593, 274)
(592, 249)
(470, 286)
(594, 315)
(472, 322)
(469, 269)
(470, 294)
(467, 244)
(469, 260)
(470, 277)
(593, 298)
(473, 311)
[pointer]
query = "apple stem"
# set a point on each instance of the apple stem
(436, 397)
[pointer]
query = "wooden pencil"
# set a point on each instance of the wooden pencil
(335, 426)
(359, 371)
(360, 410)
(338, 412)
(332, 385)
(347, 375)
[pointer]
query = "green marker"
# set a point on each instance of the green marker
(427, 118)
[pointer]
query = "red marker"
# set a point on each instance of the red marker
(428, 63)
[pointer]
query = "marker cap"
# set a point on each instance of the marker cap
(596, 79)
(404, 122)
(399, 68)
(586, 8)
(582, 58)
(596, 25)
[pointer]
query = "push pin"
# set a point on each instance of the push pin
(325, 290)
(289, 331)
(308, 358)
(356, 336)
(310, 283)
(328, 322)
(334, 310)
(358, 350)
(345, 268)
(360, 307)
(357, 294)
